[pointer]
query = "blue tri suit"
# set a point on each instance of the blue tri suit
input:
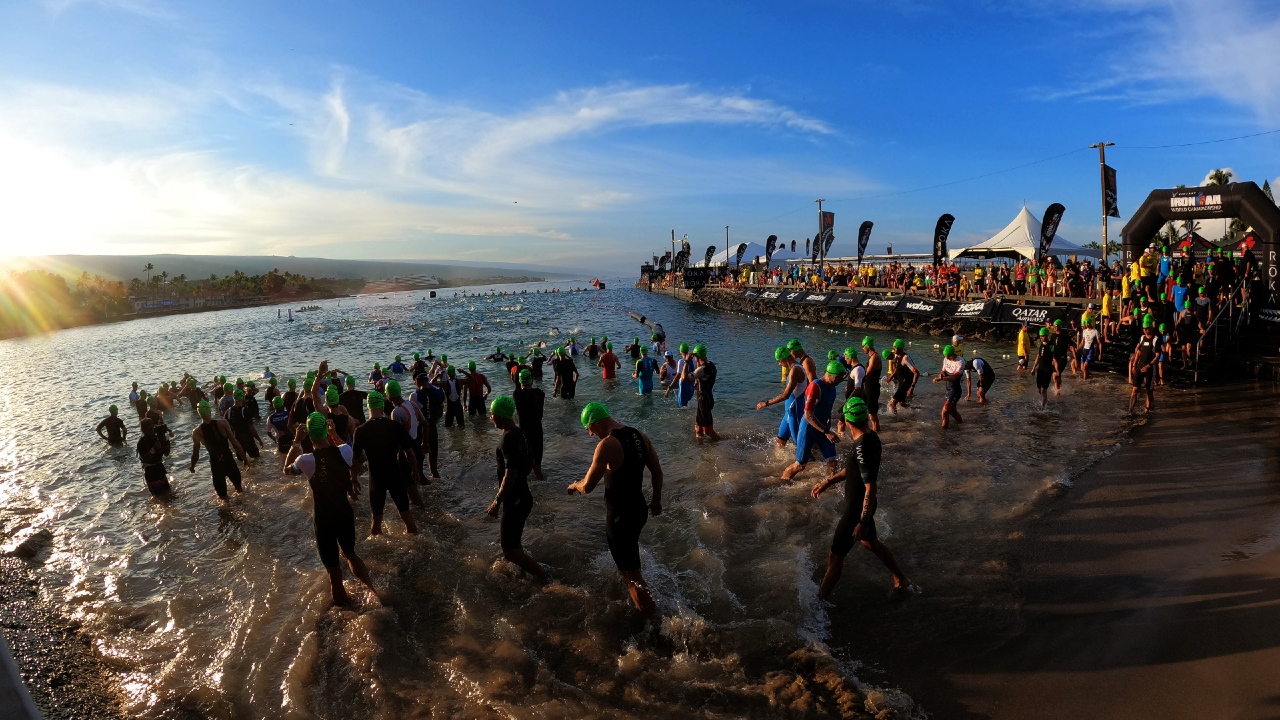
(645, 368)
(809, 436)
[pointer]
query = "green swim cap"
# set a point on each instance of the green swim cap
(792, 345)
(238, 394)
(1202, 288)
(471, 365)
(503, 406)
(331, 395)
(498, 349)
(593, 341)
(113, 409)
(855, 410)
(251, 384)
(779, 354)
(266, 369)
(644, 351)
(869, 342)
(397, 358)
(293, 384)
(1057, 323)
(608, 346)
(948, 351)
(228, 387)
(700, 351)
(1148, 322)
(444, 358)
(317, 426)
(635, 339)
(450, 371)
(899, 344)
(593, 413)
(835, 367)
(277, 402)
(1163, 297)
(884, 354)
(202, 407)
(351, 381)
(376, 366)
(1044, 332)
(272, 381)
(832, 354)
(375, 400)
(653, 336)
(1186, 304)
(306, 386)
(525, 376)
(239, 381)
(559, 352)
(393, 389)
(684, 348)
(850, 353)
(1161, 328)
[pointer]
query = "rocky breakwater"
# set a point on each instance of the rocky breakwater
(874, 313)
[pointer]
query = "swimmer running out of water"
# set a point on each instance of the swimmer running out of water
(620, 460)
(514, 498)
(218, 437)
(791, 397)
(952, 371)
(860, 475)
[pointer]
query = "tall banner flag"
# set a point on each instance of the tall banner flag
(769, 246)
(816, 246)
(793, 246)
(940, 233)
(806, 247)
(742, 250)
(864, 237)
(1110, 199)
(684, 245)
(1049, 227)
(827, 230)
(711, 251)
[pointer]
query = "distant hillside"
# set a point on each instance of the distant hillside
(126, 267)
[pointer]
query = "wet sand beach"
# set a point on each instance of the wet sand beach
(1149, 589)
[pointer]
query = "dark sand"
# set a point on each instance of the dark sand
(1151, 589)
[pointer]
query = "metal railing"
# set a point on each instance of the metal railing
(1235, 323)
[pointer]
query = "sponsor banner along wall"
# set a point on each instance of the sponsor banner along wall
(991, 310)
(1033, 314)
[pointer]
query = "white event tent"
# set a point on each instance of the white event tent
(729, 256)
(1020, 238)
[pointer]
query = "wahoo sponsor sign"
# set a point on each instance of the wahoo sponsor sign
(1030, 314)
(815, 298)
(845, 300)
(974, 309)
(1194, 202)
(880, 302)
(920, 306)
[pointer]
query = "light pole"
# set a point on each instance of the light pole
(1102, 165)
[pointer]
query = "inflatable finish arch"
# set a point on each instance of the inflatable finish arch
(1244, 200)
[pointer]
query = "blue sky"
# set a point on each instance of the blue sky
(583, 133)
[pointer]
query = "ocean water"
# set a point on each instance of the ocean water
(222, 610)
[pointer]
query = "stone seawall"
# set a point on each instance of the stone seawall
(942, 327)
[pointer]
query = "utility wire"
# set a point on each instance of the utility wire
(1202, 142)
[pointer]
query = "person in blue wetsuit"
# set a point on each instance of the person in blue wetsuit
(684, 383)
(397, 366)
(791, 398)
(645, 367)
(815, 427)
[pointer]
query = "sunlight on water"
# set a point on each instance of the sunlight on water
(223, 611)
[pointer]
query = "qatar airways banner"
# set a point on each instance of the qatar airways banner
(1033, 315)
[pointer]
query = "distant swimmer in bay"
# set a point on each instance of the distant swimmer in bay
(861, 476)
(116, 432)
(620, 459)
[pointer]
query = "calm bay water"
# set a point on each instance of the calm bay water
(223, 610)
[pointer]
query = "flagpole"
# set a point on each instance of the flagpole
(822, 246)
(1102, 164)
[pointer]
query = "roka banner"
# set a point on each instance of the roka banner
(1049, 227)
(769, 246)
(864, 237)
(826, 231)
(742, 250)
(1110, 201)
(940, 233)
(711, 251)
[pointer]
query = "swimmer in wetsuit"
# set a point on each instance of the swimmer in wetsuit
(241, 422)
(609, 363)
(644, 372)
(219, 438)
(397, 366)
(116, 432)
(952, 369)
(860, 475)
(328, 471)
(620, 459)
(388, 450)
(1043, 367)
(529, 404)
(871, 383)
(816, 428)
(278, 425)
(513, 499)
(792, 398)
(151, 452)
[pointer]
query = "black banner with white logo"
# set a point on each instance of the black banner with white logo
(769, 246)
(974, 309)
(742, 250)
(826, 231)
(792, 295)
(864, 237)
(815, 298)
(921, 306)
(887, 303)
(845, 300)
(750, 294)
(1049, 227)
(696, 278)
(711, 251)
(1032, 315)
(940, 233)
(1110, 197)
(770, 295)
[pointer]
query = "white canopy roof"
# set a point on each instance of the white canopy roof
(1022, 236)
(730, 255)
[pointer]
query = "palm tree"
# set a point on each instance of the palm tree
(164, 278)
(148, 268)
(1220, 177)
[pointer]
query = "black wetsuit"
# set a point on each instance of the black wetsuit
(565, 368)
(270, 394)
(151, 453)
(115, 429)
(511, 365)
(1044, 365)
(251, 406)
(335, 521)
(1061, 348)
(593, 352)
(1148, 348)
(353, 401)
(517, 503)
(280, 421)
(382, 440)
(302, 408)
(419, 367)
(535, 364)
(222, 462)
(704, 381)
(453, 405)
(290, 399)
(529, 402)
(870, 386)
(431, 400)
(861, 468)
(242, 426)
(626, 510)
